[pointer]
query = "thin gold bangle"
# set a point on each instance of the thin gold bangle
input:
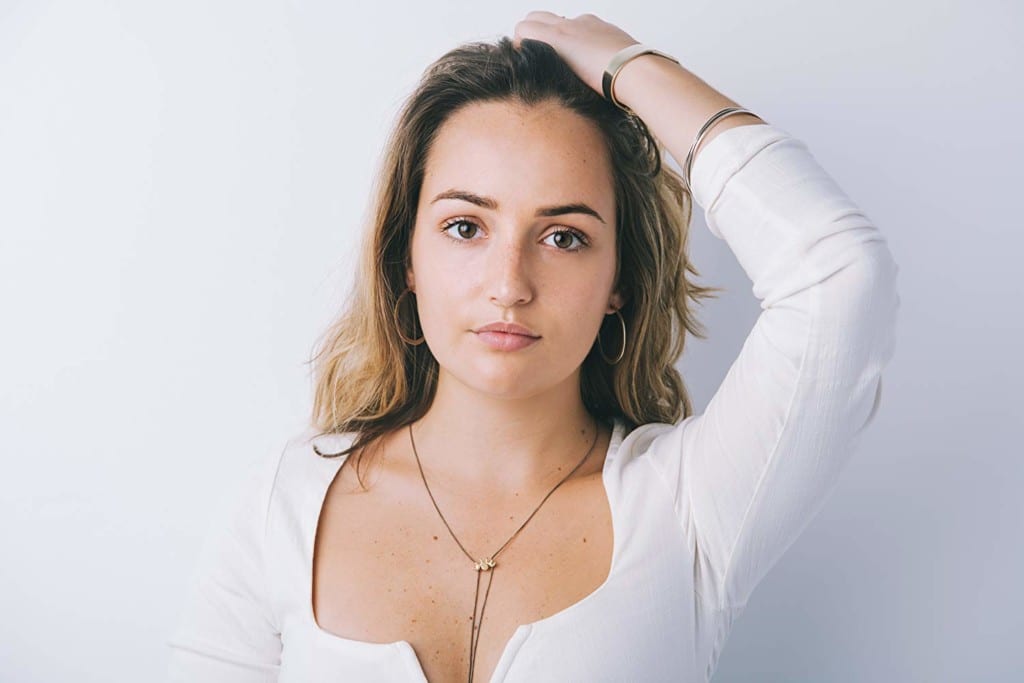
(715, 118)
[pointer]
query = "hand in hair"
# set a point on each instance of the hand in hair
(586, 42)
(673, 102)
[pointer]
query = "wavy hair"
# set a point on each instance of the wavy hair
(368, 381)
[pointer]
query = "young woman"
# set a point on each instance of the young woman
(504, 479)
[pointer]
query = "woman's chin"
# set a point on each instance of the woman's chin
(500, 378)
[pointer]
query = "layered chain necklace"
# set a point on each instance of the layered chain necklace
(487, 564)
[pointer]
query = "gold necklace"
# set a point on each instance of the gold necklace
(487, 564)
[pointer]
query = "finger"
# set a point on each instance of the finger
(533, 30)
(543, 17)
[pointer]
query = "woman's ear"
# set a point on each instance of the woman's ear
(616, 302)
(410, 277)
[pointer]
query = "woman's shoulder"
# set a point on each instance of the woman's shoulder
(640, 439)
(308, 461)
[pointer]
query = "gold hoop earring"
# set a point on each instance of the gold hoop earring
(622, 351)
(398, 324)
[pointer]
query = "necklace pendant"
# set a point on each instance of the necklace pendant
(484, 565)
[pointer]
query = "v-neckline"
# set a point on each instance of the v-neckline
(523, 630)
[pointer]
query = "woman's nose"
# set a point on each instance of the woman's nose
(508, 277)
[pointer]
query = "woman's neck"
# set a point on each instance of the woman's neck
(499, 443)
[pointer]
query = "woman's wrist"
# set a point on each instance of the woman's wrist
(674, 103)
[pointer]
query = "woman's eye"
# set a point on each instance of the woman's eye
(564, 240)
(463, 230)
(466, 229)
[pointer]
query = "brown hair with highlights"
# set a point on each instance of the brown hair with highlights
(369, 382)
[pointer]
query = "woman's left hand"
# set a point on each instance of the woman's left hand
(586, 42)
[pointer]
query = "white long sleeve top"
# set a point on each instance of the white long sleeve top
(701, 509)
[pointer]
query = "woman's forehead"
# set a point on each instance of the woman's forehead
(544, 152)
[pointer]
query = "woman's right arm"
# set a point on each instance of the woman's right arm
(226, 631)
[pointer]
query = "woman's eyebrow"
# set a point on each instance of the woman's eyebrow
(492, 204)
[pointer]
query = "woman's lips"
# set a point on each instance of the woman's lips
(505, 341)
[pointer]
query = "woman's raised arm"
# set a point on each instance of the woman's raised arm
(750, 472)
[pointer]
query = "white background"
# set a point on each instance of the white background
(182, 185)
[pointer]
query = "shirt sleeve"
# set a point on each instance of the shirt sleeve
(226, 631)
(749, 473)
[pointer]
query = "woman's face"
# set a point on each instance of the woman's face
(515, 224)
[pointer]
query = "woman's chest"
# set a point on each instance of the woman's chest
(388, 569)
